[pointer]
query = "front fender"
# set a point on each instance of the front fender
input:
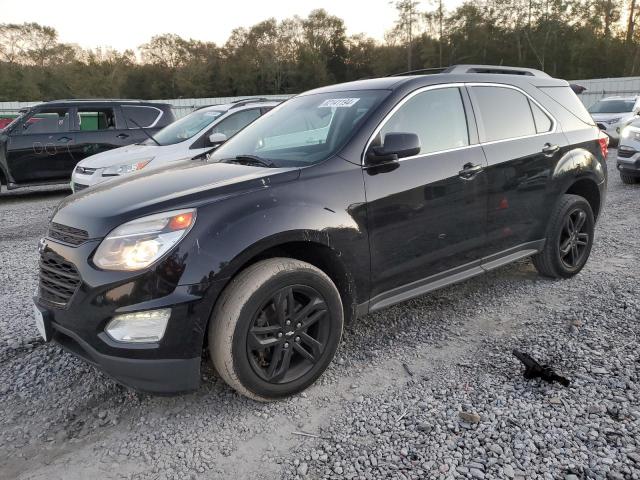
(327, 207)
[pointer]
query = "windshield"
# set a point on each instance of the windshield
(304, 130)
(185, 128)
(612, 106)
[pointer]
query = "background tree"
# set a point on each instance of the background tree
(570, 39)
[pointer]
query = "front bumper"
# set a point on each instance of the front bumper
(80, 181)
(171, 365)
(161, 376)
(629, 162)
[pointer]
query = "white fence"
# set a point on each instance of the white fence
(597, 88)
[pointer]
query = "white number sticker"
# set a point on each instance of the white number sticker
(338, 103)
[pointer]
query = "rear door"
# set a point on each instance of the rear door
(40, 149)
(99, 128)
(522, 144)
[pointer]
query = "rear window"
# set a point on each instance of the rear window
(143, 116)
(568, 100)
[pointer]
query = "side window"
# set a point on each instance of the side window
(236, 122)
(94, 119)
(436, 116)
(47, 120)
(542, 121)
(505, 113)
(145, 117)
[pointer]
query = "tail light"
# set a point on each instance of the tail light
(603, 140)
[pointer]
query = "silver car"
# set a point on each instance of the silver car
(628, 158)
(612, 114)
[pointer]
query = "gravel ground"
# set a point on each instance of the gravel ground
(425, 389)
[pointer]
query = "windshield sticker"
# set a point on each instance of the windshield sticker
(338, 103)
(212, 114)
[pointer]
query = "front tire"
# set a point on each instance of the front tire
(569, 239)
(275, 328)
(629, 179)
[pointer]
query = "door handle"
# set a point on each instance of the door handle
(64, 139)
(549, 149)
(122, 135)
(469, 170)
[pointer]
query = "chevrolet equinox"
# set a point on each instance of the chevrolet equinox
(339, 202)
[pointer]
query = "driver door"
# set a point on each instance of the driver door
(40, 149)
(426, 216)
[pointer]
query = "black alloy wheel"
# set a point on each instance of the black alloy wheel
(288, 334)
(275, 328)
(574, 239)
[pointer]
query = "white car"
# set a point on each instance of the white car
(191, 136)
(612, 114)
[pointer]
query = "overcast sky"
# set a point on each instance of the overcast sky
(125, 24)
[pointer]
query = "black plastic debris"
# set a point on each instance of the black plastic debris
(534, 370)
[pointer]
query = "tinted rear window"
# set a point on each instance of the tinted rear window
(505, 113)
(143, 116)
(566, 98)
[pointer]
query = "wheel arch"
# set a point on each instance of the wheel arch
(310, 247)
(588, 189)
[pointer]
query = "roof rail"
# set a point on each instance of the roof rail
(419, 71)
(245, 101)
(496, 69)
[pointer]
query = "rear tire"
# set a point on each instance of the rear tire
(275, 328)
(629, 179)
(569, 239)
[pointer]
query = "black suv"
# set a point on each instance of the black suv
(341, 201)
(44, 144)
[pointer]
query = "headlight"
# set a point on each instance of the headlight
(117, 170)
(137, 244)
(631, 132)
(611, 121)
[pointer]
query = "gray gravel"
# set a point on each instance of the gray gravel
(425, 389)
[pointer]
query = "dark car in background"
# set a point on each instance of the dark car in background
(45, 142)
(339, 202)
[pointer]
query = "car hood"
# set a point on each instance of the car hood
(189, 183)
(122, 155)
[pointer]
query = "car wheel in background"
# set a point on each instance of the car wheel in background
(569, 239)
(275, 328)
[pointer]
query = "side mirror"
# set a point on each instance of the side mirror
(396, 145)
(217, 138)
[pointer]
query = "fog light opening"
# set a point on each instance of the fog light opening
(139, 327)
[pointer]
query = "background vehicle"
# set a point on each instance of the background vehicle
(612, 114)
(628, 158)
(190, 136)
(342, 201)
(44, 144)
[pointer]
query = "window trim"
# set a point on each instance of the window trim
(123, 105)
(478, 121)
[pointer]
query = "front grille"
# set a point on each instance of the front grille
(70, 235)
(59, 279)
(78, 186)
(626, 153)
(85, 170)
